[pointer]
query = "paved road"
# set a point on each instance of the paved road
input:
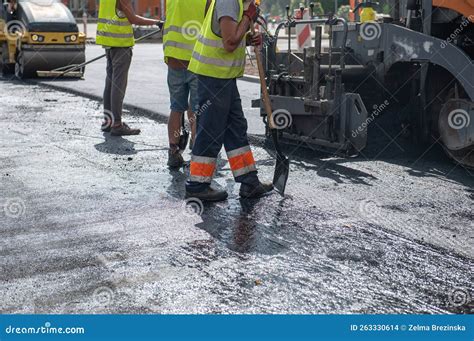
(147, 87)
(94, 224)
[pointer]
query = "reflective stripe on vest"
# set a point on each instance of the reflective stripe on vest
(113, 30)
(210, 58)
(218, 62)
(202, 168)
(113, 22)
(183, 46)
(241, 161)
(183, 24)
(216, 43)
(115, 35)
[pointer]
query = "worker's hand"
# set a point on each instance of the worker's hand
(251, 10)
(256, 39)
(160, 24)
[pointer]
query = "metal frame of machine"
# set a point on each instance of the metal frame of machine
(417, 56)
(36, 41)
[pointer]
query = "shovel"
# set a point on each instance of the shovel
(282, 167)
(183, 136)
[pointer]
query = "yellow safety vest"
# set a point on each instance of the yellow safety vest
(183, 24)
(113, 30)
(209, 56)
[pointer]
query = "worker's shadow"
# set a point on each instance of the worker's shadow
(116, 145)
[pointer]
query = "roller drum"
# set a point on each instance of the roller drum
(47, 58)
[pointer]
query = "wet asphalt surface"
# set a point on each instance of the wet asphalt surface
(96, 224)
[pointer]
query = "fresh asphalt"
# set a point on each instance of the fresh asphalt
(96, 224)
(147, 89)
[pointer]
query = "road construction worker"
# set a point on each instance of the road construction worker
(115, 34)
(218, 60)
(184, 19)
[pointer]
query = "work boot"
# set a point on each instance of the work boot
(209, 194)
(124, 130)
(255, 191)
(175, 159)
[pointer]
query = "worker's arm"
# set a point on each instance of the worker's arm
(233, 32)
(126, 7)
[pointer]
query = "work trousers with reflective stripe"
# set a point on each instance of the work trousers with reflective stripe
(118, 64)
(220, 121)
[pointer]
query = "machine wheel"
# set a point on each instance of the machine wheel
(463, 156)
(21, 69)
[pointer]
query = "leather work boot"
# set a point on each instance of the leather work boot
(124, 130)
(253, 192)
(175, 159)
(209, 194)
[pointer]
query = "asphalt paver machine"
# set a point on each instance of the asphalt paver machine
(421, 56)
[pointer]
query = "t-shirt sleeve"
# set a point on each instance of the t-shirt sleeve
(227, 8)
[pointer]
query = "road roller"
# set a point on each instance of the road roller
(413, 69)
(38, 37)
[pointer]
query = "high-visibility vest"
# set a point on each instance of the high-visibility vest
(113, 30)
(183, 24)
(209, 56)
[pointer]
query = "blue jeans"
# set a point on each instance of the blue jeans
(183, 86)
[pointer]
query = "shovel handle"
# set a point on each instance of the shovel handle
(263, 84)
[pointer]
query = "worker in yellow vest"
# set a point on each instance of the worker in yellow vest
(115, 34)
(218, 60)
(184, 19)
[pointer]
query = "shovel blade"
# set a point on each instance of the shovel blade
(282, 170)
(183, 140)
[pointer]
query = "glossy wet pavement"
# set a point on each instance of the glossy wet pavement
(95, 224)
